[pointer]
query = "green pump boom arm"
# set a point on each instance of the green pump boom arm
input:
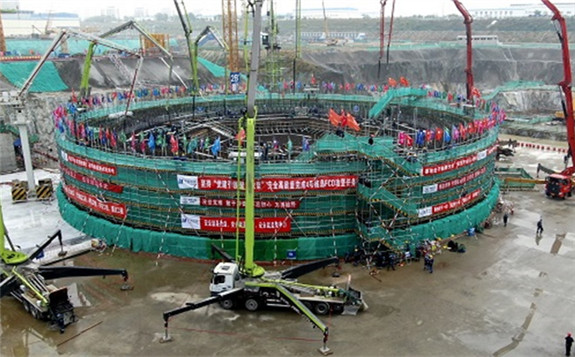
(250, 267)
(84, 82)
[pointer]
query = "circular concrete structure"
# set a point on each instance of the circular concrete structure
(165, 180)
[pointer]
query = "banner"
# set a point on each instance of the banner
(453, 183)
(88, 200)
(92, 181)
(188, 182)
(448, 206)
(231, 203)
(88, 164)
(456, 164)
(340, 182)
(228, 224)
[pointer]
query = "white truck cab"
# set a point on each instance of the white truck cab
(224, 277)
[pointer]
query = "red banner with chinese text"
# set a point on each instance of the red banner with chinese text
(89, 164)
(88, 200)
(340, 182)
(92, 181)
(261, 225)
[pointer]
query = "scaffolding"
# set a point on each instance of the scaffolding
(166, 183)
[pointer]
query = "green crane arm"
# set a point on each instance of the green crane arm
(207, 31)
(250, 267)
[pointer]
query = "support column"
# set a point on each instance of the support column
(25, 143)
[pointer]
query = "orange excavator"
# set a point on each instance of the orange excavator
(562, 184)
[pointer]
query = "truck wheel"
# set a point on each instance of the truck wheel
(252, 305)
(337, 308)
(308, 305)
(27, 307)
(36, 313)
(321, 308)
(227, 304)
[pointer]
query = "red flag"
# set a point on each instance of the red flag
(351, 122)
(334, 118)
(392, 82)
(241, 135)
(113, 140)
(404, 82)
(408, 140)
(475, 92)
(343, 117)
(174, 144)
(438, 134)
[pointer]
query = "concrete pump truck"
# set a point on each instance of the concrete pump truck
(239, 281)
(562, 184)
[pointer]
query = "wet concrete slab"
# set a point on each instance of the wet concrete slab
(510, 294)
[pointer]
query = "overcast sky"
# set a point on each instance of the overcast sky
(126, 7)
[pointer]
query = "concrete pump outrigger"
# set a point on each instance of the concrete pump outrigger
(25, 280)
(239, 281)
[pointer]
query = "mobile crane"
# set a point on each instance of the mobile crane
(240, 281)
(25, 280)
(563, 184)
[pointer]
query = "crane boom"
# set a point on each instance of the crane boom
(84, 82)
(566, 83)
(469, 68)
(251, 268)
(209, 30)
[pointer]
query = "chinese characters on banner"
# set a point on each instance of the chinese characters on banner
(340, 182)
(228, 224)
(231, 203)
(448, 206)
(446, 185)
(89, 164)
(456, 164)
(92, 181)
(88, 200)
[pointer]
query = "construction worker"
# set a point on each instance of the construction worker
(568, 343)
(540, 226)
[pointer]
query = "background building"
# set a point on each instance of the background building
(524, 10)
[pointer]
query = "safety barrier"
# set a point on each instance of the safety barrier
(45, 190)
(19, 191)
(543, 147)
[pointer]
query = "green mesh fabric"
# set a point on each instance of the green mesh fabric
(325, 223)
(48, 80)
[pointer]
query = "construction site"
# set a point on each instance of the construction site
(318, 178)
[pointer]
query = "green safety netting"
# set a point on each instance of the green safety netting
(394, 197)
(75, 46)
(48, 79)
(143, 240)
(443, 228)
(503, 172)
